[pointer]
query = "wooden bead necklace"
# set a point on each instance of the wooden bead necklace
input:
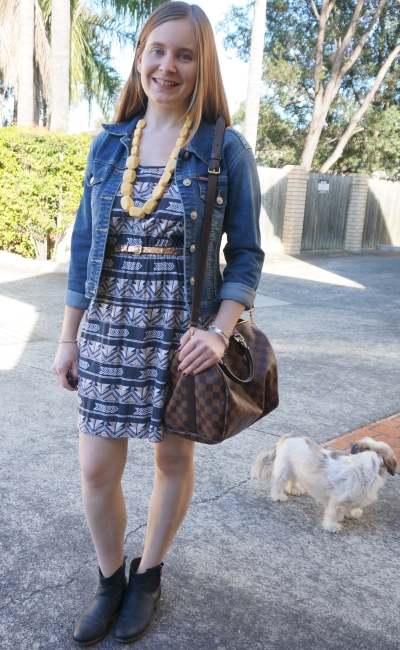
(132, 164)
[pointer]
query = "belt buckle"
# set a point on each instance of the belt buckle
(137, 249)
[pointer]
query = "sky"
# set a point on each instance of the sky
(234, 71)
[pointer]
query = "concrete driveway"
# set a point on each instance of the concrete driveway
(244, 573)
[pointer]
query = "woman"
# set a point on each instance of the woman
(133, 267)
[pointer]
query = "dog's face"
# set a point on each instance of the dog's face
(381, 448)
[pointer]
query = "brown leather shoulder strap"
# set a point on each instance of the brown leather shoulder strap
(213, 170)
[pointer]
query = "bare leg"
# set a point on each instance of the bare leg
(102, 463)
(171, 497)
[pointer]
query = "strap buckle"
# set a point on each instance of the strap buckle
(192, 331)
(251, 320)
(216, 171)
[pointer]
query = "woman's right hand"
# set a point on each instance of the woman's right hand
(66, 359)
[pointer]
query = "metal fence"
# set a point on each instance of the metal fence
(382, 215)
(325, 212)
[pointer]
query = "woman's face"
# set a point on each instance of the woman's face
(167, 65)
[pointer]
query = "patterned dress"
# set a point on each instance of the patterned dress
(134, 325)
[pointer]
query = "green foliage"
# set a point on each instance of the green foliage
(279, 142)
(375, 148)
(41, 182)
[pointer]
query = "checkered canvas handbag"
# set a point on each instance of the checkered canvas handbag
(228, 397)
(241, 388)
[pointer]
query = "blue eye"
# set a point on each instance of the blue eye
(186, 57)
(156, 50)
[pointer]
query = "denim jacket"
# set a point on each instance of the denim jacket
(237, 214)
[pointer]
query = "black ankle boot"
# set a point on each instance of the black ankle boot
(93, 624)
(141, 599)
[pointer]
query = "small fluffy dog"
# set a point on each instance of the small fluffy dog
(344, 483)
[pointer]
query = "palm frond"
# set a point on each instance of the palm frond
(136, 10)
(96, 25)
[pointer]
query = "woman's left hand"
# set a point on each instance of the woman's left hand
(200, 352)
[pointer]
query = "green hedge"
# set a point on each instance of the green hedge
(41, 182)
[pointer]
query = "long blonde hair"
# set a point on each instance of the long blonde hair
(208, 100)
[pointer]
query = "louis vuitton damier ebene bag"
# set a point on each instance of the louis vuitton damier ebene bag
(242, 387)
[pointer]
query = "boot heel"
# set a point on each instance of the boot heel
(141, 602)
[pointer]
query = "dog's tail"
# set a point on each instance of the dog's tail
(264, 465)
(383, 450)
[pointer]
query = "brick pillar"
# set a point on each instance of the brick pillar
(356, 212)
(296, 190)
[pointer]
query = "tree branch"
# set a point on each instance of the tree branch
(315, 10)
(360, 45)
(338, 72)
(340, 52)
(319, 53)
(351, 129)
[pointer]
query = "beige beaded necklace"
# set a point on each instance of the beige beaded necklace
(132, 164)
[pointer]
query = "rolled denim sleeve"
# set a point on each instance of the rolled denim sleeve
(80, 245)
(243, 254)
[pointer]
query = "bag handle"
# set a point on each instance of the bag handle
(249, 359)
(213, 170)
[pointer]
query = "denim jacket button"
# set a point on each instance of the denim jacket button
(186, 156)
(192, 248)
(193, 215)
(187, 182)
(191, 280)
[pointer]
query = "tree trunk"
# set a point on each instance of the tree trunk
(1, 108)
(36, 97)
(361, 111)
(255, 73)
(315, 129)
(25, 64)
(60, 53)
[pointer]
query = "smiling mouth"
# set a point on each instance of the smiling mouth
(164, 82)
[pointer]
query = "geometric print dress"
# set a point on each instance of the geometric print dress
(134, 325)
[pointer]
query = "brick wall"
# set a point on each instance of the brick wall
(296, 190)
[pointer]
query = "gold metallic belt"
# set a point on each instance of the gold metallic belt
(138, 249)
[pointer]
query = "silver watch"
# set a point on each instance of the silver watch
(224, 337)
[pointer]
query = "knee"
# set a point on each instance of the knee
(95, 476)
(172, 465)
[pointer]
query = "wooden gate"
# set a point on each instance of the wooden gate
(325, 213)
(382, 216)
(273, 193)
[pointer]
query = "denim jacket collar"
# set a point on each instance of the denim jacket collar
(237, 215)
(200, 145)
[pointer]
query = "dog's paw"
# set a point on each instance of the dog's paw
(331, 527)
(279, 497)
(356, 513)
(294, 492)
